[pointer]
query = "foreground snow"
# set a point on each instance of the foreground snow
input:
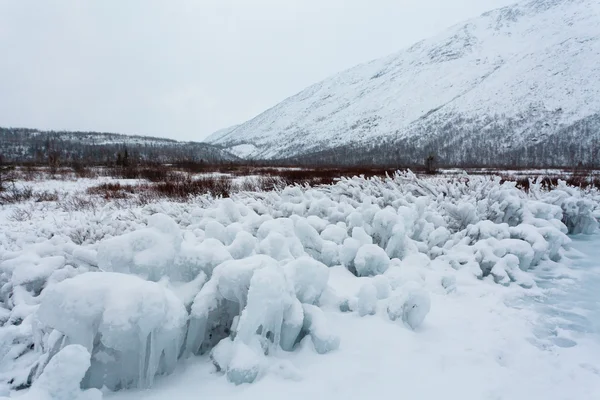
(471, 346)
(425, 287)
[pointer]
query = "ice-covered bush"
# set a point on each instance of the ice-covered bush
(255, 307)
(411, 304)
(62, 376)
(146, 252)
(133, 328)
(371, 260)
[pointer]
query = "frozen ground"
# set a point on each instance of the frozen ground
(430, 288)
(472, 346)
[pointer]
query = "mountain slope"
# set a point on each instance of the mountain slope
(219, 133)
(529, 71)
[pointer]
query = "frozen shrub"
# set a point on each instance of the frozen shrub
(277, 246)
(384, 222)
(519, 248)
(361, 235)
(499, 274)
(382, 285)
(334, 233)
(261, 324)
(355, 219)
(309, 237)
(316, 222)
(411, 269)
(309, 278)
(330, 253)
(505, 204)
(348, 252)
(221, 354)
(291, 329)
(415, 308)
(269, 296)
(278, 239)
(487, 229)
(534, 237)
(283, 226)
(148, 252)
(133, 328)
(194, 258)
(438, 237)
(399, 244)
(220, 300)
(371, 260)
(30, 270)
(367, 300)
(62, 376)
(411, 305)
(511, 265)
(577, 211)
(462, 215)
(245, 364)
(315, 324)
(242, 246)
(215, 230)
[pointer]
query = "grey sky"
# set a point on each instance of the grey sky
(183, 69)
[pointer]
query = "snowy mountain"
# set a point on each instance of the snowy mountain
(26, 145)
(516, 81)
(219, 133)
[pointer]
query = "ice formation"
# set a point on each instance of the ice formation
(242, 280)
(133, 328)
(62, 376)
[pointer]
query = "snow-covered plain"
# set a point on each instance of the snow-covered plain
(461, 288)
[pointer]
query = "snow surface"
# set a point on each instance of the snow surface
(533, 61)
(463, 288)
(480, 342)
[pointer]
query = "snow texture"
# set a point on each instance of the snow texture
(251, 282)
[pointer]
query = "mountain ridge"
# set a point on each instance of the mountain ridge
(533, 62)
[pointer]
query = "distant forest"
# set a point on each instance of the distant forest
(460, 143)
(21, 145)
(451, 142)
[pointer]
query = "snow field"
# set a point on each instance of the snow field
(258, 282)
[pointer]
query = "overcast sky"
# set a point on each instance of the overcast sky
(183, 69)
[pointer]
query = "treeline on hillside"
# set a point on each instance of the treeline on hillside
(466, 144)
(449, 141)
(28, 146)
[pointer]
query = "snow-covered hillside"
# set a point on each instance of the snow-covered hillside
(219, 133)
(516, 76)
